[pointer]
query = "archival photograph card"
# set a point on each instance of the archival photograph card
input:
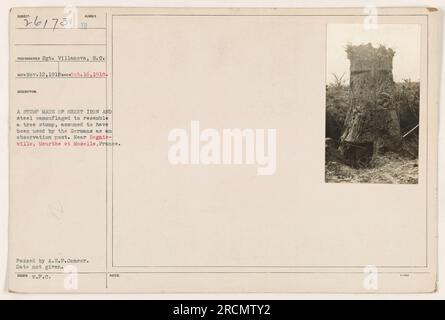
(157, 150)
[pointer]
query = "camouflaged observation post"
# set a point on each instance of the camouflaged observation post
(372, 122)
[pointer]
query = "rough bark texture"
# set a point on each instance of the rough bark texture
(372, 122)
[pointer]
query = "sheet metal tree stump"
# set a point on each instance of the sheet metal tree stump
(372, 121)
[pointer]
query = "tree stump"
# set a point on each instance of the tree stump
(372, 121)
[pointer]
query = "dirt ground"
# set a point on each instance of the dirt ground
(387, 168)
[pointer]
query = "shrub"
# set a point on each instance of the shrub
(406, 99)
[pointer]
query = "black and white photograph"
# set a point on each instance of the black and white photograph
(205, 154)
(372, 104)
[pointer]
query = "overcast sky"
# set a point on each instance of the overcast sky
(404, 39)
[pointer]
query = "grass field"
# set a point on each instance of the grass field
(387, 168)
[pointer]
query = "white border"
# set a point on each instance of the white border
(5, 5)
